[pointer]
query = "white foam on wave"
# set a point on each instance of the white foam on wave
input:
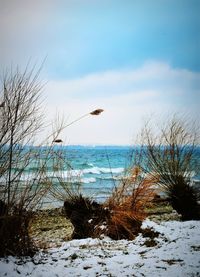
(93, 170)
(100, 170)
(28, 176)
(88, 180)
(106, 177)
(73, 175)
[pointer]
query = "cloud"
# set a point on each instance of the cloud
(127, 96)
(151, 75)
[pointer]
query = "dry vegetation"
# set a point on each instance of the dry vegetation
(120, 217)
(171, 154)
(20, 191)
(165, 159)
(128, 205)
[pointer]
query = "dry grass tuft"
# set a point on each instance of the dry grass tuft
(14, 235)
(120, 217)
(127, 205)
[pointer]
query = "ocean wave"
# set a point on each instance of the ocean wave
(88, 180)
(104, 170)
(78, 180)
(71, 173)
(64, 176)
(107, 178)
(78, 176)
(74, 175)
(85, 165)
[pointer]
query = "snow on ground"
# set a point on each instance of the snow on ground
(175, 252)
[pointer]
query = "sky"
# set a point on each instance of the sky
(132, 58)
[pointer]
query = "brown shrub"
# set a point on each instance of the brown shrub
(14, 233)
(120, 217)
(127, 205)
(85, 214)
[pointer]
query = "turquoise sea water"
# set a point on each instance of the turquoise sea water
(97, 169)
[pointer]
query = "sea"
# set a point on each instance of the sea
(99, 169)
(94, 170)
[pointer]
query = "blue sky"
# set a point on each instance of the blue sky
(114, 34)
(132, 58)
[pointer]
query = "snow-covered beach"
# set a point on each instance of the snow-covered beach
(174, 252)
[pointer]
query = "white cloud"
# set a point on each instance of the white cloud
(127, 97)
(149, 76)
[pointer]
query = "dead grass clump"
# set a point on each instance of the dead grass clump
(85, 214)
(171, 150)
(184, 199)
(127, 205)
(14, 235)
(123, 224)
(150, 233)
(120, 217)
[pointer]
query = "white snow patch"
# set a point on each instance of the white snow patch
(177, 253)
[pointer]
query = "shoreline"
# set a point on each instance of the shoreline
(173, 250)
(50, 227)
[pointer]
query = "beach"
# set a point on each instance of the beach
(165, 246)
(173, 251)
